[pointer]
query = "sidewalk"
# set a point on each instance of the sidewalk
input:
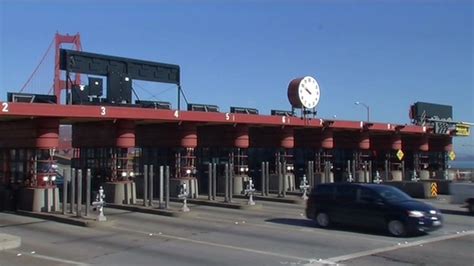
(9, 241)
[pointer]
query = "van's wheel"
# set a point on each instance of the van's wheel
(471, 206)
(322, 219)
(396, 228)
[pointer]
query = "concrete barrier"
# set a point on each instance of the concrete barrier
(442, 185)
(39, 199)
(120, 192)
(414, 189)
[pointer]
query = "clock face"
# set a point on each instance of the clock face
(308, 92)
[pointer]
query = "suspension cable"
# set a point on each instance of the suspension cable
(37, 67)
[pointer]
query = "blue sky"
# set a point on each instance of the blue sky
(387, 54)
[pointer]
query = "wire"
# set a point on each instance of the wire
(151, 94)
(37, 67)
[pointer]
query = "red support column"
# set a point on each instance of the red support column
(58, 83)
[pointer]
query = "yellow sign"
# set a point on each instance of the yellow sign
(400, 154)
(434, 189)
(462, 130)
(452, 155)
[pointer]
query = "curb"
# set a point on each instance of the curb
(169, 213)
(84, 222)
(221, 204)
(272, 199)
(9, 241)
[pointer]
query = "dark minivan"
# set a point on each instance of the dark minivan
(371, 205)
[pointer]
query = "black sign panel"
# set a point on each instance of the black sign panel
(422, 111)
(103, 65)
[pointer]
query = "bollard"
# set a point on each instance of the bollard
(99, 205)
(209, 185)
(79, 193)
(284, 177)
(162, 173)
(267, 176)
(214, 181)
(231, 181)
(370, 172)
(249, 191)
(353, 168)
(145, 185)
(150, 187)
(304, 187)
(183, 194)
(88, 191)
(73, 190)
(280, 179)
(65, 178)
(167, 187)
(403, 170)
(226, 183)
(263, 178)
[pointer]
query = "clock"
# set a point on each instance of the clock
(304, 92)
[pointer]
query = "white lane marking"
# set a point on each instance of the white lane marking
(270, 225)
(261, 252)
(36, 255)
(412, 244)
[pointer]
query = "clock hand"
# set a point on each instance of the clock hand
(308, 91)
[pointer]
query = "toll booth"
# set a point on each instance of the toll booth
(107, 148)
(173, 145)
(28, 168)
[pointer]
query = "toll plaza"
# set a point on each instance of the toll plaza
(136, 151)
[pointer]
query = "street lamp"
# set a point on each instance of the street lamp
(366, 107)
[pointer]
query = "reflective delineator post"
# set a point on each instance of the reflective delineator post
(414, 176)
(183, 194)
(304, 187)
(377, 178)
(249, 191)
(99, 205)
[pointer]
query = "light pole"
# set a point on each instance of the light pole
(366, 107)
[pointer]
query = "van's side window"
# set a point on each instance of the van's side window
(366, 195)
(325, 192)
(347, 193)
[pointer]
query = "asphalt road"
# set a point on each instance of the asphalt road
(278, 234)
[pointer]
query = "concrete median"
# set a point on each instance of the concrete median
(9, 241)
(420, 190)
